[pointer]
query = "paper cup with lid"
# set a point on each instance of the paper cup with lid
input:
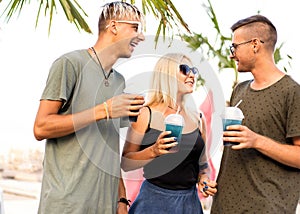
(231, 116)
(175, 124)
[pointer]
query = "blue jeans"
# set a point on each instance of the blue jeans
(156, 200)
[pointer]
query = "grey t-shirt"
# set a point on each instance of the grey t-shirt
(248, 181)
(81, 170)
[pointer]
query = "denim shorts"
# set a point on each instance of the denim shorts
(156, 200)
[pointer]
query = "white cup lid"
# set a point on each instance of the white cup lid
(175, 119)
(233, 113)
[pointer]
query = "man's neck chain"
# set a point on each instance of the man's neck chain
(106, 83)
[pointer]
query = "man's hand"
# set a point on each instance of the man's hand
(241, 135)
(125, 105)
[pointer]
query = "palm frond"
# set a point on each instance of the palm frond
(14, 6)
(166, 12)
(71, 8)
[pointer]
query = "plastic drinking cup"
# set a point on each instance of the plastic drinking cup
(231, 116)
(174, 123)
(134, 118)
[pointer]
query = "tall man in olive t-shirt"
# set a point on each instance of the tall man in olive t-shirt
(262, 173)
(80, 113)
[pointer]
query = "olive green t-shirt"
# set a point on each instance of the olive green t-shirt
(81, 170)
(248, 181)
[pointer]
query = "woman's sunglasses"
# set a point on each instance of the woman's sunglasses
(185, 69)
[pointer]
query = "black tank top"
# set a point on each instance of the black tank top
(177, 170)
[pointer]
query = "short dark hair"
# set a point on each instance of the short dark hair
(261, 26)
(251, 19)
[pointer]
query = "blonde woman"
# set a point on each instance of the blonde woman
(170, 177)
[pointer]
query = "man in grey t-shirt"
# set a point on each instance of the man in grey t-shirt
(80, 113)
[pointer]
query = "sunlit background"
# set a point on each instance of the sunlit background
(26, 53)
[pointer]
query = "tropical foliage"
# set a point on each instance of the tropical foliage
(170, 22)
(217, 47)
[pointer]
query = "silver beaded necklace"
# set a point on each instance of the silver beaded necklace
(106, 83)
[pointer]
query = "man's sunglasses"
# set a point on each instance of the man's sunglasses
(185, 69)
(139, 26)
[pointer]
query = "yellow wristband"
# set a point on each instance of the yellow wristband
(106, 111)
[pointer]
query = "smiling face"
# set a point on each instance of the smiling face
(121, 27)
(169, 84)
(243, 53)
(187, 81)
(128, 35)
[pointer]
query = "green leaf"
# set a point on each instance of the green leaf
(71, 9)
(13, 7)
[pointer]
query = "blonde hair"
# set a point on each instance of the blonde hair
(119, 10)
(164, 84)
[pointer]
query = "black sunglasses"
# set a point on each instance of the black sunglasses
(185, 69)
(234, 46)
